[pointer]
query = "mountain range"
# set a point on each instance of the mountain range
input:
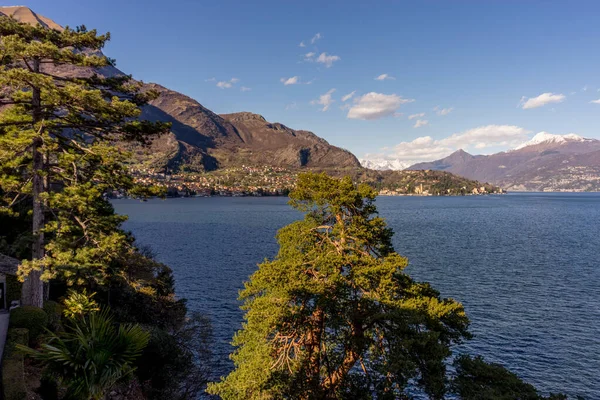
(545, 163)
(201, 141)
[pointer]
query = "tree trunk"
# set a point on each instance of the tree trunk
(33, 288)
(44, 204)
(331, 382)
(313, 348)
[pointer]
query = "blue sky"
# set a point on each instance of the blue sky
(483, 64)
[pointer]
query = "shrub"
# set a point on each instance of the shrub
(13, 288)
(13, 375)
(13, 381)
(31, 318)
(92, 354)
(54, 312)
(477, 379)
(176, 365)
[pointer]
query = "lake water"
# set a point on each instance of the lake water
(526, 267)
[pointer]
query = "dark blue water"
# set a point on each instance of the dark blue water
(526, 267)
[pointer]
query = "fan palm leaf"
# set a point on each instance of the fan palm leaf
(92, 354)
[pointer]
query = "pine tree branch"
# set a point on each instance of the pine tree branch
(28, 66)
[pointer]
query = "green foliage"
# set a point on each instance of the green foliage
(60, 121)
(59, 124)
(334, 316)
(145, 293)
(54, 312)
(92, 354)
(34, 319)
(477, 379)
(13, 288)
(176, 365)
(13, 382)
(79, 304)
(14, 337)
(13, 374)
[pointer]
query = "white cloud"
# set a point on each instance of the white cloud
(290, 81)
(425, 148)
(419, 115)
(315, 38)
(310, 56)
(310, 82)
(210, 80)
(487, 136)
(302, 44)
(325, 100)
(443, 111)
(383, 77)
(227, 84)
(323, 58)
(541, 100)
(291, 106)
(224, 85)
(421, 122)
(585, 88)
(328, 60)
(595, 101)
(245, 89)
(348, 96)
(376, 105)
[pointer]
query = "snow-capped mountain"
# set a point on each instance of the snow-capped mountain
(382, 164)
(545, 163)
(549, 138)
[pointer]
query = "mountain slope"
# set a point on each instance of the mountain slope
(286, 146)
(545, 163)
(27, 16)
(202, 140)
(546, 138)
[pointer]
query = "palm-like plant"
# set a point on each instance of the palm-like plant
(92, 355)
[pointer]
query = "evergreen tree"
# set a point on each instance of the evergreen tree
(334, 316)
(477, 379)
(59, 124)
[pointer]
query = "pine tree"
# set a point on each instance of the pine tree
(59, 124)
(334, 315)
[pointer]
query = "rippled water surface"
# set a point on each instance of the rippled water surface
(526, 267)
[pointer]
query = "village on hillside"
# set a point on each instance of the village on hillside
(278, 181)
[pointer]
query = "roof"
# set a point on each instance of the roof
(8, 265)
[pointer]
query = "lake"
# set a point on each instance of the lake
(525, 265)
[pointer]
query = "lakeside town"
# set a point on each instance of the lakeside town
(230, 182)
(278, 181)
